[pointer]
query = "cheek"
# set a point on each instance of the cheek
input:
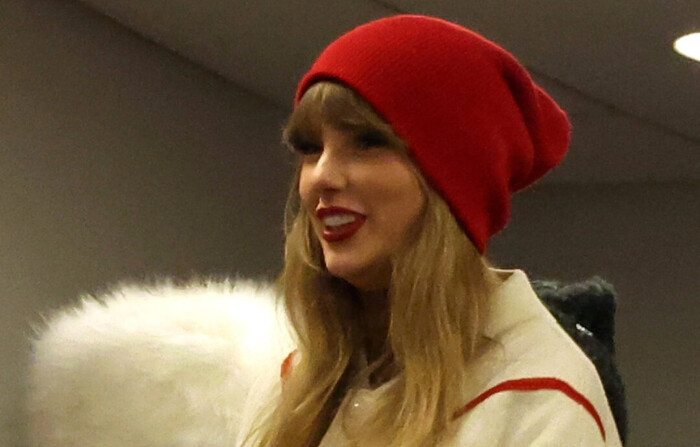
(304, 187)
(407, 215)
(403, 205)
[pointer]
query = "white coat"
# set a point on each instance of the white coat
(532, 386)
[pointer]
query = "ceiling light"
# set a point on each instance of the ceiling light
(688, 46)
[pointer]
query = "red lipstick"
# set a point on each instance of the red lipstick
(342, 230)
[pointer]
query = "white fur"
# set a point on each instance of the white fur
(163, 366)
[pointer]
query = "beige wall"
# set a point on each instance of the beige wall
(120, 160)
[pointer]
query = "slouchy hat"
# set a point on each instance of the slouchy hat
(474, 121)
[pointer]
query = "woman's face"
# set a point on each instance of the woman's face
(363, 200)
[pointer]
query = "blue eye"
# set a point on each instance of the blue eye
(308, 149)
(371, 139)
(304, 147)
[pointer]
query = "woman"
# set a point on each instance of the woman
(412, 133)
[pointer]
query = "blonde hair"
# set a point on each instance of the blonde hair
(439, 286)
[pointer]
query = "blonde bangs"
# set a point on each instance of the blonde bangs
(331, 104)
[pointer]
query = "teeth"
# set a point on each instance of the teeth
(337, 220)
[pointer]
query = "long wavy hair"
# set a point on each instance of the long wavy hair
(437, 294)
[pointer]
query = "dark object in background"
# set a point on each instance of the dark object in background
(586, 310)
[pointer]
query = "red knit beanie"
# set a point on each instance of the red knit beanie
(475, 122)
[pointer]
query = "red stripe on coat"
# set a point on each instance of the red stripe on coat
(535, 384)
(287, 365)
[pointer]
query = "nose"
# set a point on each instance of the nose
(329, 171)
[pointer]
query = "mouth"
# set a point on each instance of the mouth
(339, 223)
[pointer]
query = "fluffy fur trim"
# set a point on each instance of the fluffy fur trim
(168, 365)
